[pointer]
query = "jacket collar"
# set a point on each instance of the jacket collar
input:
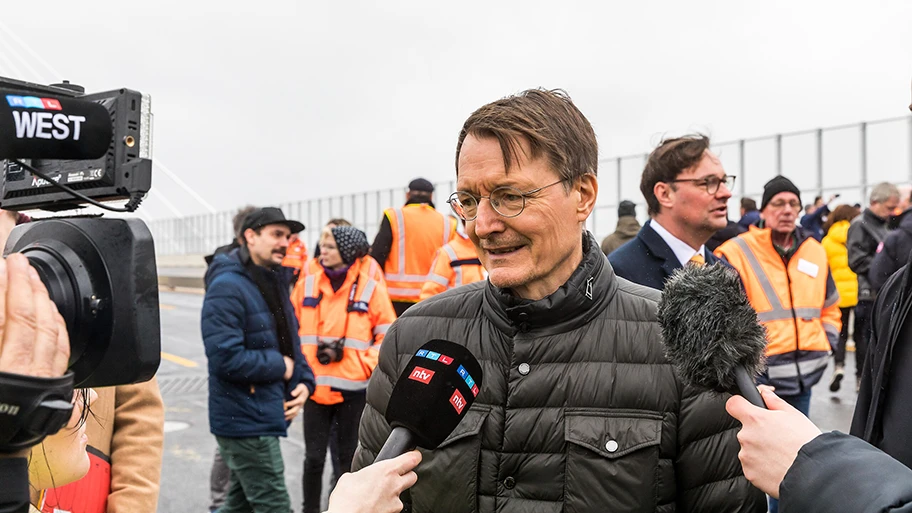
(659, 249)
(872, 217)
(591, 286)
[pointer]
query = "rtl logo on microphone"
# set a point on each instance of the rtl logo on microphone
(458, 401)
(422, 375)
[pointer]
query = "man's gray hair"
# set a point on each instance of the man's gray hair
(883, 191)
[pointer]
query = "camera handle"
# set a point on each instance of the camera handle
(32, 408)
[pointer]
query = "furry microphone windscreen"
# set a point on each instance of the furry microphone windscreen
(709, 327)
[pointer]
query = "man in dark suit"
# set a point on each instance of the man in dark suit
(687, 192)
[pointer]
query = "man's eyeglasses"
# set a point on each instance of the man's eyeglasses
(780, 204)
(507, 201)
(711, 183)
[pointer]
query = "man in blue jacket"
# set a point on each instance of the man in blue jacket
(258, 378)
(687, 192)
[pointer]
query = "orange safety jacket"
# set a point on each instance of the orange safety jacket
(367, 262)
(296, 254)
(455, 264)
(359, 313)
(797, 302)
(418, 232)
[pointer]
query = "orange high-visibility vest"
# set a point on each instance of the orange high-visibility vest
(359, 313)
(418, 232)
(296, 254)
(792, 303)
(455, 264)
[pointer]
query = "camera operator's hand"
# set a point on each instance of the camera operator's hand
(289, 367)
(293, 407)
(33, 336)
(375, 488)
(770, 439)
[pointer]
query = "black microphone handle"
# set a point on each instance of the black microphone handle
(400, 441)
(747, 387)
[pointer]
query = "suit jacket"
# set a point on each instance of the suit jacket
(648, 260)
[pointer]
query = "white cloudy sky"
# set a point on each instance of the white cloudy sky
(279, 100)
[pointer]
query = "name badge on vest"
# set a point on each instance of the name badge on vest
(809, 268)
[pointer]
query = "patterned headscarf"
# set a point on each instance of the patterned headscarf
(352, 243)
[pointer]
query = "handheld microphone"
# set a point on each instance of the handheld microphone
(711, 331)
(433, 394)
(52, 127)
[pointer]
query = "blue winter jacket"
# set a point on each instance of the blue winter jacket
(246, 389)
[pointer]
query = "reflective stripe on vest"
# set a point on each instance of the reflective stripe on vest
(352, 343)
(338, 383)
(760, 273)
(805, 367)
(458, 281)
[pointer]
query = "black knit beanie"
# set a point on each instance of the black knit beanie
(775, 186)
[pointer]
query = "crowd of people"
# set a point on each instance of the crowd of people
(806, 269)
(577, 386)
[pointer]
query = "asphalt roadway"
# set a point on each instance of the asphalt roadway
(189, 447)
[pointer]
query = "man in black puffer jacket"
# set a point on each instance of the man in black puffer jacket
(579, 410)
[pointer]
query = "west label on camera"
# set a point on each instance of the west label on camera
(47, 125)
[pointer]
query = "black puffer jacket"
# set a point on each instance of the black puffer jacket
(579, 411)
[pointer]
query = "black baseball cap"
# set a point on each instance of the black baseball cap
(269, 215)
(420, 184)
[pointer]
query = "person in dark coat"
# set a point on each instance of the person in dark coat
(627, 228)
(749, 213)
(812, 221)
(687, 192)
(866, 233)
(731, 230)
(258, 377)
(579, 410)
(892, 254)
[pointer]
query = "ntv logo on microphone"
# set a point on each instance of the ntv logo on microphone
(422, 375)
(43, 125)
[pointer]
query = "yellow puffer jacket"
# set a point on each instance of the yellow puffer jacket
(838, 256)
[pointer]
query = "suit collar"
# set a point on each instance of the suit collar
(658, 248)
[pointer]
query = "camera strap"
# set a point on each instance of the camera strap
(32, 408)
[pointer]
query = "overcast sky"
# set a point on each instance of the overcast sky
(274, 101)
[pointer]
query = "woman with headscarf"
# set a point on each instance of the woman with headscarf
(344, 313)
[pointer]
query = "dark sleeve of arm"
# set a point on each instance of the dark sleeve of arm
(859, 255)
(223, 335)
(707, 468)
(380, 249)
(820, 213)
(838, 472)
(883, 265)
(374, 430)
(14, 492)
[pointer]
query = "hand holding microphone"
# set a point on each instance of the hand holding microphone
(375, 488)
(770, 439)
